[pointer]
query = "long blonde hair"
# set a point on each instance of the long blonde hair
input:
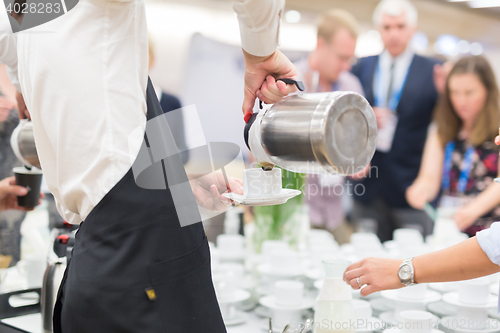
(487, 123)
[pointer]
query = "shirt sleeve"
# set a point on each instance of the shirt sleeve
(489, 240)
(8, 48)
(259, 24)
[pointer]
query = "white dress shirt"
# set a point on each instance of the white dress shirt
(489, 240)
(382, 75)
(84, 78)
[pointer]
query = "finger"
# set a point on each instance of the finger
(353, 274)
(263, 98)
(21, 114)
(248, 99)
(235, 185)
(216, 198)
(369, 289)
(270, 97)
(497, 140)
(14, 189)
(354, 283)
(353, 266)
(286, 89)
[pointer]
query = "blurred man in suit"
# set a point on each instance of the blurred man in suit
(399, 85)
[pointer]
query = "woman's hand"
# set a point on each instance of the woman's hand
(209, 189)
(376, 273)
(9, 192)
(416, 195)
(465, 217)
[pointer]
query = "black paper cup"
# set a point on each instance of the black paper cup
(32, 180)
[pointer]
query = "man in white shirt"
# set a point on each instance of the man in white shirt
(85, 86)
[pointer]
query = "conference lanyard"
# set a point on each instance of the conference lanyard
(464, 172)
(393, 102)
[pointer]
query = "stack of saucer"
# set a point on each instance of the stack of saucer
(229, 294)
(408, 298)
(365, 322)
(286, 304)
(231, 248)
(473, 300)
(415, 321)
(280, 265)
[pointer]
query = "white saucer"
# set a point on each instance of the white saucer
(382, 304)
(443, 287)
(232, 255)
(264, 325)
(283, 197)
(315, 274)
(397, 330)
(390, 317)
(494, 289)
(270, 302)
(267, 269)
(430, 296)
(493, 313)
(262, 311)
(442, 309)
(239, 295)
(454, 322)
(452, 298)
(376, 325)
(237, 319)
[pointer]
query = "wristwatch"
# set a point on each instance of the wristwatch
(406, 272)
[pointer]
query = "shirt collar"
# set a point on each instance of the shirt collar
(386, 59)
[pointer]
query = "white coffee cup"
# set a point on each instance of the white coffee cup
(414, 321)
(225, 286)
(288, 292)
(258, 183)
(414, 293)
(230, 243)
(362, 309)
(284, 261)
(473, 317)
(474, 292)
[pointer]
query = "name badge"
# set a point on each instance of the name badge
(385, 135)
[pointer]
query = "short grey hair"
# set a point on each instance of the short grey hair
(395, 8)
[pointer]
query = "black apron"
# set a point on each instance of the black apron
(135, 269)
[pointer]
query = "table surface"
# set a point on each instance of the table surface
(33, 323)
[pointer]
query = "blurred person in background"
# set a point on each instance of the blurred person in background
(328, 69)
(10, 220)
(399, 85)
(172, 107)
(460, 156)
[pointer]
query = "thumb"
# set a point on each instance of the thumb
(248, 101)
(13, 189)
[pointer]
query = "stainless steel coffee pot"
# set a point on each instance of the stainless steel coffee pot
(316, 133)
(22, 141)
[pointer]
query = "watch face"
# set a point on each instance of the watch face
(405, 272)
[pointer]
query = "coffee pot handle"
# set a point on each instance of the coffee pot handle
(299, 84)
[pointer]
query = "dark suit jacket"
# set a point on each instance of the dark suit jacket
(172, 108)
(394, 171)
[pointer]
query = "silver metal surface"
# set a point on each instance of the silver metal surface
(51, 282)
(320, 132)
(23, 144)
